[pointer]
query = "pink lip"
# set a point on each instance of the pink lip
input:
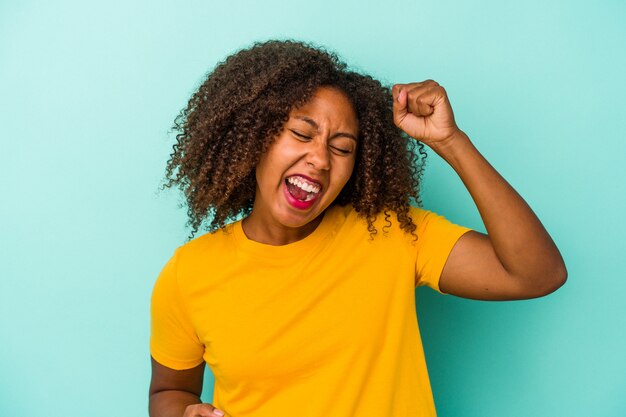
(301, 205)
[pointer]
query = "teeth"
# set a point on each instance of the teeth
(309, 188)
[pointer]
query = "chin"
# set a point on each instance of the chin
(294, 218)
(295, 221)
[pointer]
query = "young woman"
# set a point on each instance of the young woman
(305, 305)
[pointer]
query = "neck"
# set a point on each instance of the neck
(276, 235)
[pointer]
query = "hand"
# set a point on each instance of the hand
(422, 111)
(203, 410)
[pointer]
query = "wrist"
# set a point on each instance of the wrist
(452, 146)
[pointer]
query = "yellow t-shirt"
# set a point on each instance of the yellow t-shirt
(322, 327)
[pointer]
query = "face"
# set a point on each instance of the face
(309, 162)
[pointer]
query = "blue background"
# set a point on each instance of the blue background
(89, 90)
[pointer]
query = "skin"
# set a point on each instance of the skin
(319, 141)
(516, 259)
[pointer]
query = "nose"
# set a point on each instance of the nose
(318, 155)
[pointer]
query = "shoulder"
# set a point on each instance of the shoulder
(387, 223)
(206, 248)
(388, 218)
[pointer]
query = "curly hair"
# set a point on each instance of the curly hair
(244, 103)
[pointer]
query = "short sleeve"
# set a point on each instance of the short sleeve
(173, 340)
(436, 236)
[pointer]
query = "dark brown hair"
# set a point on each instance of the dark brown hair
(244, 103)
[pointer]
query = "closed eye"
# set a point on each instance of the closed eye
(300, 135)
(342, 151)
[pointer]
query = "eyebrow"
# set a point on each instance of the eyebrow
(316, 126)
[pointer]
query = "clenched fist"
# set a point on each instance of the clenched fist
(203, 410)
(422, 111)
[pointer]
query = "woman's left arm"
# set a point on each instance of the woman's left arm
(517, 258)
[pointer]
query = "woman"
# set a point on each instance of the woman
(305, 306)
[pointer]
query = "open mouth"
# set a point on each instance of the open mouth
(302, 189)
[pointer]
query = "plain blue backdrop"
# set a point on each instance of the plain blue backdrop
(89, 90)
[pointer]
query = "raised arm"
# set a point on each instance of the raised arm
(517, 258)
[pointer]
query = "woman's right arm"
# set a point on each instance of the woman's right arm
(177, 393)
